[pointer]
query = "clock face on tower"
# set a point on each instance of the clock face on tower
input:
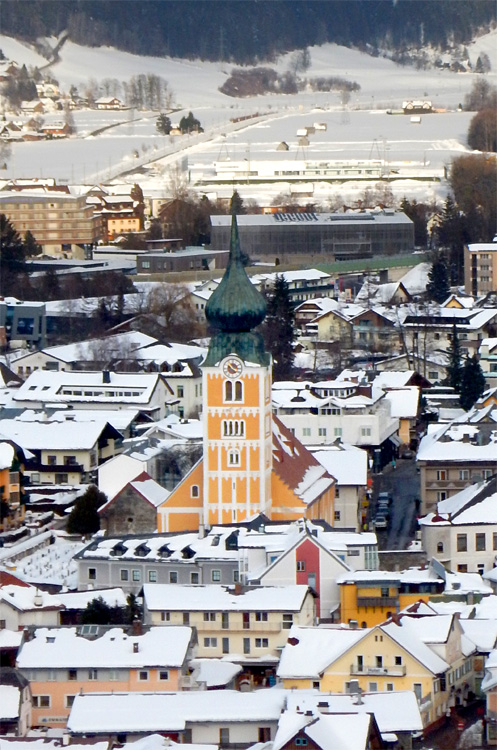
(233, 367)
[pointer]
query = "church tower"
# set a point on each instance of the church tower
(237, 400)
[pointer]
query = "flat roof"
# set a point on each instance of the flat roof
(312, 219)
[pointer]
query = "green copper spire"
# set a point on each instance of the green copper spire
(234, 309)
(235, 305)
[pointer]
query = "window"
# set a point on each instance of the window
(373, 687)
(209, 617)
(72, 674)
(225, 620)
(69, 700)
(301, 741)
(194, 577)
(233, 428)
(93, 674)
(236, 576)
(246, 645)
(262, 642)
(398, 661)
(306, 432)
(124, 574)
(480, 542)
(61, 478)
(180, 391)
(287, 621)
(442, 475)
(195, 490)
(216, 576)
(52, 675)
(462, 568)
(264, 734)
(366, 431)
(463, 475)
(480, 568)
(494, 539)
(261, 616)
(337, 515)
(462, 543)
(234, 458)
(152, 576)
(379, 662)
(143, 675)
(135, 575)
(163, 675)
(233, 391)
(300, 566)
(92, 574)
(173, 576)
(52, 460)
(165, 616)
(418, 689)
(224, 736)
(385, 591)
(210, 642)
(432, 375)
(69, 460)
(337, 431)
(114, 675)
(442, 495)
(322, 432)
(41, 701)
(186, 618)
(316, 685)
(440, 546)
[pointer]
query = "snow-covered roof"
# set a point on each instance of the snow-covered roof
(411, 575)
(404, 402)
(346, 463)
(483, 633)
(215, 673)
(396, 711)
(28, 598)
(7, 454)
(120, 419)
(63, 648)
(458, 442)
(175, 597)
(107, 713)
(55, 387)
(9, 702)
(108, 347)
(327, 731)
(52, 435)
(309, 650)
(405, 633)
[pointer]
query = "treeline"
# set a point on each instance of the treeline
(248, 31)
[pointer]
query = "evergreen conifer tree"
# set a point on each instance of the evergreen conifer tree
(438, 281)
(31, 246)
(237, 206)
(473, 382)
(454, 368)
(12, 257)
(84, 518)
(279, 329)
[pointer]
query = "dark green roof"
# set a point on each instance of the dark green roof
(234, 309)
(236, 305)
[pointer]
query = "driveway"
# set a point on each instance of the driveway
(403, 483)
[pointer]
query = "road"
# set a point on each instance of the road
(404, 486)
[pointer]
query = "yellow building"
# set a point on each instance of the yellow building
(422, 654)
(369, 597)
(12, 510)
(251, 462)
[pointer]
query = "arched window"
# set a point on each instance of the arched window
(233, 390)
(234, 458)
(440, 547)
(233, 428)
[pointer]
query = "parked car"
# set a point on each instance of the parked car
(381, 521)
(384, 498)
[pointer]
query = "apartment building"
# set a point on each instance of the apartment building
(480, 268)
(62, 222)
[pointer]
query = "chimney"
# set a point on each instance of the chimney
(137, 627)
(105, 376)
(238, 589)
(38, 599)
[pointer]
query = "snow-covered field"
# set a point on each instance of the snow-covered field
(363, 131)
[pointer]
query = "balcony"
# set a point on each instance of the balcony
(378, 601)
(398, 670)
(235, 627)
(425, 702)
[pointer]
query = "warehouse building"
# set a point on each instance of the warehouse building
(323, 236)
